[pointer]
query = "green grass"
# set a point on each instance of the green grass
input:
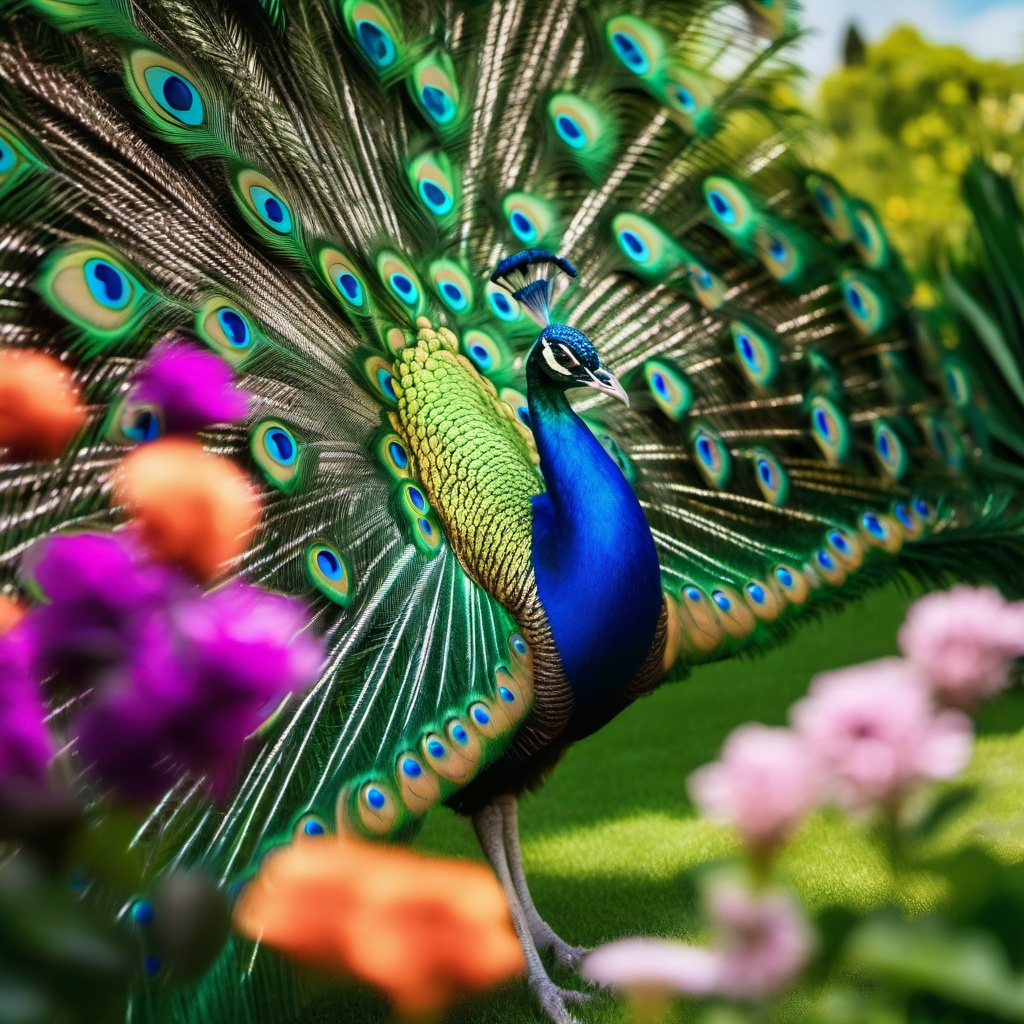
(608, 841)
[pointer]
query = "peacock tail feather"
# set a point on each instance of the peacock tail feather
(318, 190)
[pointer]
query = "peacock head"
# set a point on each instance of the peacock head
(568, 357)
(565, 355)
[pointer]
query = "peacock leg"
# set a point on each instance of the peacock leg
(489, 825)
(543, 934)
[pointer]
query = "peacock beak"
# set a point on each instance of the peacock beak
(606, 381)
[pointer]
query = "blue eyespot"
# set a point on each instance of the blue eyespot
(523, 226)
(175, 95)
(313, 828)
(635, 246)
(825, 204)
(825, 560)
(901, 513)
(502, 306)
(706, 451)
(438, 103)
(416, 497)
(424, 525)
(280, 445)
(721, 600)
(107, 285)
(748, 352)
(659, 385)
(349, 284)
(756, 592)
(386, 382)
(329, 564)
(784, 576)
(152, 965)
(519, 644)
(376, 43)
(686, 100)
(8, 157)
(404, 288)
(570, 130)
(273, 210)
(142, 913)
(631, 55)
(923, 508)
(873, 524)
(454, 296)
(776, 249)
(765, 471)
(838, 541)
(413, 768)
(398, 454)
(375, 798)
(435, 748)
(721, 207)
(235, 328)
(481, 356)
(856, 302)
(692, 593)
(506, 694)
(141, 424)
(435, 197)
(460, 735)
(480, 715)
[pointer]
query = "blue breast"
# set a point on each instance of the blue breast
(596, 566)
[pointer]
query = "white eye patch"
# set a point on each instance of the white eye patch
(560, 359)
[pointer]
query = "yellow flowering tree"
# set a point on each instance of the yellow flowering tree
(903, 125)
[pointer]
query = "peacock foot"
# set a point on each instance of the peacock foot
(554, 999)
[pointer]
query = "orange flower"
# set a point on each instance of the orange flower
(40, 410)
(192, 508)
(10, 613)
(419, 928)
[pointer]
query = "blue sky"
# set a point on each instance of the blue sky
(988, 28)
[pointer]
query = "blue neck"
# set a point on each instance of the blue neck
(597, 570)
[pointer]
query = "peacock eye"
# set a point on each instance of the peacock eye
(564, 357)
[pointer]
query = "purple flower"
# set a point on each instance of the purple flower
(25, 743)
(193, 388)
(964, 641)
(653, 968)
(762, 939)
(764, 785)
(873, 729)
(197, 686)
(100, 592)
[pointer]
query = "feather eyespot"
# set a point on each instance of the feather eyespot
(651, 251)
(401, 280)
(484, 350)
(94, 289)
(263, 205)
(452, 284)
(344, 280)
(530, 217)
(712, 457)
(276, 451)
(636, 43)
(131, 423)
(328, 573)
(225, 329)
(731, 206)
(772, 478)
(504, 307)
(433, 86)
(830, 429)
(757, 354)
(669, 388)
(164, 89)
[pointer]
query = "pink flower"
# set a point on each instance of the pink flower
(653, 966)
(964, 641)
(872, 727)
(764, 785)
(762, 939)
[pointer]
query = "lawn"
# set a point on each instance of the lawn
(609, 839)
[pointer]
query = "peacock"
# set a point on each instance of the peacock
(569, 373)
